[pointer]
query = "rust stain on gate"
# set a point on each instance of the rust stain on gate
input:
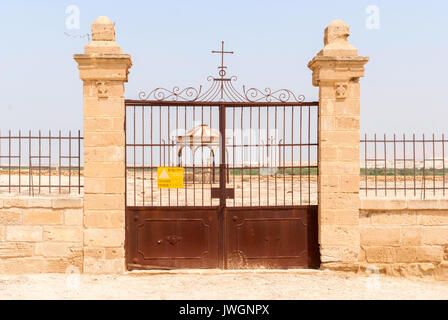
(250, 178)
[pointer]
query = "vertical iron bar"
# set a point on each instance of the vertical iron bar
(134, 157)
(404, 163)
(443, 163)
(168, 146)
(40, 159)
(30, 170)
(151, 152)
(250, 156)
(176, 155)
(276, 160)
(284, 155)
(268, 160)
(365, 163)
(433, 165)
(376, 180)
(233, 153)
(292, 156)
(395, 165)
(79, 162)
(60, 161)
(413, 157)
(258, 150)
(49, 161)
(385, 165)
(143, 155)
(222, 171)
(185, 154)
(194, 171)
(9, 162)
(309, 155)
(160, 150)
(300, 155)
(424, 168)
(20, 161)
(242, 158)
(70, 162)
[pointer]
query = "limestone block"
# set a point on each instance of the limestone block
(394, 218)
(115, 253)
(10, 217)
(432, 218)
(105, 170)
(103, 202)
(104, 139)
(430, 254)
(114, 108)
(334, 235)
(380, 254)
(73, 217)
(103, 154)
(42, 217)
(377, 236)
(52, 249)
(104, 237)
(16, 249)
(339, 254)
(441, 272)
(411, 270)
(406, 254)
(340, 217)
(40, 203)
(104, 266)
(24, 233)
(104, 124)
(411, 236)
(435, 235)
(109, 219)
(95, 253)
(105, 186)
(67, 203)
(15, 203)
(63, 234)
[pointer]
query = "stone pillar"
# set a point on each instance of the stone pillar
(104, 70)
(336, 71)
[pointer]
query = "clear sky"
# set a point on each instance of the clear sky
(404, 90)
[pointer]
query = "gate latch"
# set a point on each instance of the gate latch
(216, 193)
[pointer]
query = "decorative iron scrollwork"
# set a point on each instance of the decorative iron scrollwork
(162, 94)
(282, 95)
(221, 90)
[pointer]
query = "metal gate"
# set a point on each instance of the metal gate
(249, 168)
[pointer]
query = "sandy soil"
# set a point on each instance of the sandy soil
(197, 285)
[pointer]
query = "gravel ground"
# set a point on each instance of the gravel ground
(197, 285)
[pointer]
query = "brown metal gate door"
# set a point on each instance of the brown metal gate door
(247, 195)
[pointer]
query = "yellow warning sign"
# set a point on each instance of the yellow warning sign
(170, 178)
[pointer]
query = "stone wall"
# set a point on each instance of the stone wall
(41, 235)
(405, 237)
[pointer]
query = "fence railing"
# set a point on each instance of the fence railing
(41, 163)
(391, 166)
(404, 166)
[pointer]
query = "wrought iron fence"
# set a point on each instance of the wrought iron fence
(403, 166)
(41, 163)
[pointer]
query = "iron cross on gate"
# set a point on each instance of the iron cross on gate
(222, 71)
(222, 68)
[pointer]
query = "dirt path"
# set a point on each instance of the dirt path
(219, 285)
